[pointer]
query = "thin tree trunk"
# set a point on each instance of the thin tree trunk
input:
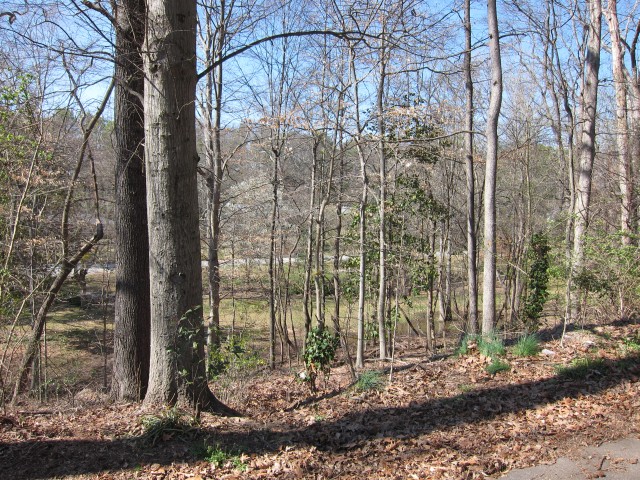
(489, 273)
(308, 263)
(622, 126)
(213, 133)
(382, 205)
(362, 213)
(472, 269)
(272, 255)
(68, 262)
(587, 147)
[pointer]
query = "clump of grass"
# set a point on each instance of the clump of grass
(491, 346)
(580, 368)
(168, 424)
(527, 346)
(632, 343)
(220, 457)
(369, 380)
(497, 366)
(463, 348)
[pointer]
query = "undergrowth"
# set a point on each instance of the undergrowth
(581, 368)
(527, 346)
(223, 458)
(167, 425)
(369, 380)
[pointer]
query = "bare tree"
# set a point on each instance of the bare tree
(622, 124)
(177, 369)
(131, 341)
(489, 274)
(587, 145)
(69, 259)
(472, 266)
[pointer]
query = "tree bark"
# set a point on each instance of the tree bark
(362, 210)
(622, 126)
(132, 308)
(472, 266)
(382, 201)
(177, 369)
(587, 146)
(495, 102)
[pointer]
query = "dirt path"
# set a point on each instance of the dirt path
(619, 460)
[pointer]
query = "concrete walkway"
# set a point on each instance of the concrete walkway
(619, 460)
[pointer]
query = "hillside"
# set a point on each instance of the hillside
(442, 417)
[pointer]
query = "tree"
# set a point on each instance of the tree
(177, 368)
(489, 274)
(587, 145)
(131, 341)
(69, 259)
(472, 273)
(620, 75)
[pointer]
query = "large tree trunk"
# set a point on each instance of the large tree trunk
(472, 266)
(177, 369)
(132, 309)
(587, 146)
(489, 274)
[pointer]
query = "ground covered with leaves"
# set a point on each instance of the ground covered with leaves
(469, 415)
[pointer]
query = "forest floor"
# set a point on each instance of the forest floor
(426, 418)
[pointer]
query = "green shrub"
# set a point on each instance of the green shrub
(232, 356)
(527, 346)
(319, 351)
(369, 380)
(496, 366)
(538, 283)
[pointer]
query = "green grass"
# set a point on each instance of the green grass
(369, 380)
(527, 346)
(219, 457)
(632, 344)
(491, 346)
(581, 368)
(497, 366)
